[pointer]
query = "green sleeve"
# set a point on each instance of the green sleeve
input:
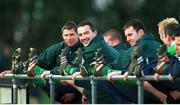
(171, 49)
(69, 70)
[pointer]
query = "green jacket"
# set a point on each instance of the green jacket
(121, 48)
(149, 50)
(109, 53)
(50, 60)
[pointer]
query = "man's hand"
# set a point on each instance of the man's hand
(68, 97)
(125, 76)
(43, 75)
(75, 74)
(162, 97)
(109, 76)
(84, 99)
(170, 77)
(156, 77)
(175, 94)
(5, 72)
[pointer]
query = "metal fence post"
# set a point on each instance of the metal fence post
(52, 88)
(140, 84)
(94, 90)
(15, 91)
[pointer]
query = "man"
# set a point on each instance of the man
(49, 61)
(167, 27)
(177, 42)
(88, 37)
(168, 63)
(114, 38)
(136, 36)
(92, 42)
(176, 94)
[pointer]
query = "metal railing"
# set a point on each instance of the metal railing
(93, 84)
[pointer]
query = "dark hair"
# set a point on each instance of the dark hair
(69, 25)
(136, 23)
(170, 29)
(114, 34)
(91, 25)
(177, 33)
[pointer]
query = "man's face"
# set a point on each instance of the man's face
(85, 34)
(108, 40)
(70, 37)
(132, 35)
(177, 41)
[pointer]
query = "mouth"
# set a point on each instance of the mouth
(130, 42)
(70, 43)
(85, 42)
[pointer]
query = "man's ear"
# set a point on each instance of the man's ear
(116, 42)
(169, 37)
(141, 32)
(95, 32)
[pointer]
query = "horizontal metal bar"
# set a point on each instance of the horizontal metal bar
(117, 77)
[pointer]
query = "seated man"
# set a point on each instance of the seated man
(94, 46)
(114, 39)
(167, 64)
(143, 46)
(102, 68)
(167, 29)
(49, 62)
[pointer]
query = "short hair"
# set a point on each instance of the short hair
(136, 23)
(162, 24)
(91, 25)
(177, 33)
(170, 29)
(69, 25)
(114, 34)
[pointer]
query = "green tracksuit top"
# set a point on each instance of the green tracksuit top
(50, 60)
(109, 53)
(149, 50)
(121, 48)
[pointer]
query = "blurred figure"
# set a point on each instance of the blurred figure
(114, 39)
(5, 59)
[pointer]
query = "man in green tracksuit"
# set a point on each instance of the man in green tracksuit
(114, 39)
(93, 42)
(136, 36)
(49, 61)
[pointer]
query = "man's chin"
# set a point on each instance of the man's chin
(85, 44)
(71, 45)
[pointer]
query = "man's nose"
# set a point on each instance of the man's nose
(83, 37)
(68, 37)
